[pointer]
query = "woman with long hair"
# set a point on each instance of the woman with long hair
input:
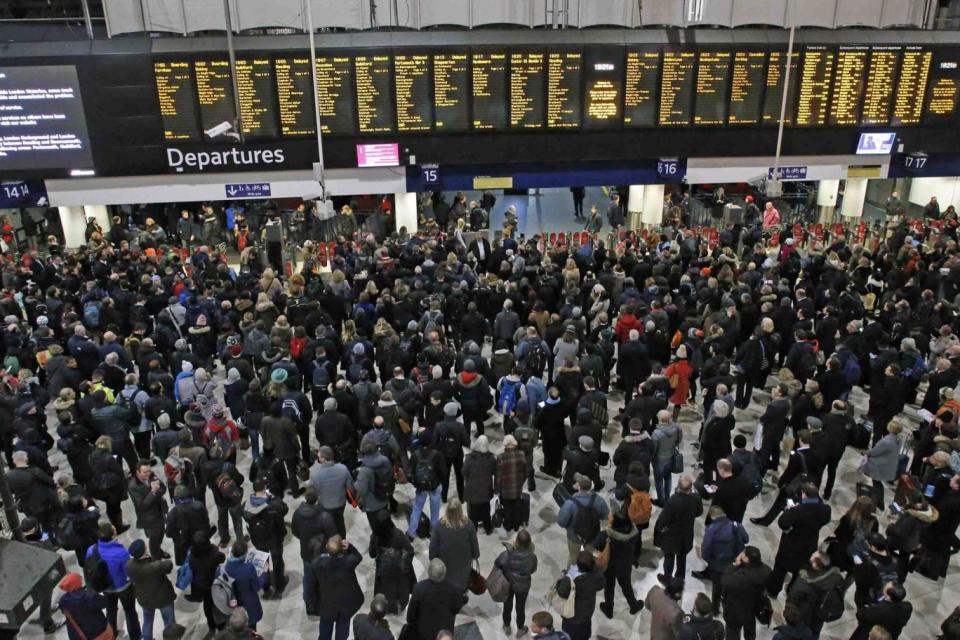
(454, 540)
(518, 562)
(850, 536)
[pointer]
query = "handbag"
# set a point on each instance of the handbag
(676, 462)
(674, 381)
(185, 573)
(566, 607)
(496, 520)
(400, 475)
(602, 557)
(764, 610)
(497, 585)
(107, 633)
(561, 494)
(476, 583)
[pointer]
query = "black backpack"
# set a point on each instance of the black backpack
(260, 528)
(68, 536)
(96, 573)
(450, 445)
(424, 475)
(586, 521)
(534, 361)
(831, 604)
(383, 482)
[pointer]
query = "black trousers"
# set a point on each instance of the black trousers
(622, 578)
(115, 513)
(680, 559)
(744, 391)
(735, 625)
(479, 513)
(779, 504)
(293, 480)
(474, 417)
(831, 469)
(521, 602)
(154, 542)
(457, 465)
(303, 432)
(512, 516)
(338, 519)
(126, 599)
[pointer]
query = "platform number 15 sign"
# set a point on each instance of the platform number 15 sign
(431, 175)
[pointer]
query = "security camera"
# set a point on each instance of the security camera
(219, 130)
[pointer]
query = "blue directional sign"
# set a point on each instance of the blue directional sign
(788, 173)
(248, 190)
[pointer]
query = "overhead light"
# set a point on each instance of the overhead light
(695, 10)
(80, 173)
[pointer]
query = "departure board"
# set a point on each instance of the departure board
(375, 106)
(911, 86)
(816, 76)
(451, 91)
(746, 87)
(295, 96)
(713, 82)
(773, 95)
(411, 81)
(177, 95)
(944, 88)
(489, 90)
(215, 94)
(258, 100)
(640, 88)
(603, 88)
(676, 88)
(527, 93)
(848, 85)
(335, 94)
(878, 95)
(564, 70)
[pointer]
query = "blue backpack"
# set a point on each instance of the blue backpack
(509, 391)
(851, 370)
(91, 314)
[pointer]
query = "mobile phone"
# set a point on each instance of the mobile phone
(896, 508)
(928, 490)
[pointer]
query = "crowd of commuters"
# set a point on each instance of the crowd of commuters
(234, 407)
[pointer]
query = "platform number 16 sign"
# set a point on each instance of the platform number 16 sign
(668, 168)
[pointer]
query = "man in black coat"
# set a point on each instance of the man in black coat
(333, 429)
(633, 365)
(731, 492)
(802, 467)
(313, 526)
(749, 358)
(891, 613)
(187, 517)
(829, 443)
(147, 494)
(801, 526)
(673, 532)
(450, 437)
(434, 604)
(741, 589)
(35, 491)
(774, 422)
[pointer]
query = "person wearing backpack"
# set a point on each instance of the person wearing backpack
(78, 529)
(152, 586)
(873, 569)
(264, 516)
(741, 588)
(246, 584)
(890, 611)
(450, 437)
(83, 608)
(105, 571)
(375, 484)
(817, 593)
(700, 625)
(527, 437)
(509, 394)
(225, 482)
(581, 516)
(279, 434)
(723, 541)
(312, 526)
(511, 475)
(223, 431)
(183, 521)
(673, 531)
(480, 473)
(134, 400)
(427, 467)
(147, 494)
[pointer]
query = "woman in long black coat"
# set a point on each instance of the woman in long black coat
(339, 595)
(622, 537)
(716, 438)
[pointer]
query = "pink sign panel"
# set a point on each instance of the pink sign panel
(378, 155)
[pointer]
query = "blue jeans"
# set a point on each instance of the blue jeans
(342, 623)
(254, 443)
(662, 478)
(309, 586)
(418, 501)
(166, 612)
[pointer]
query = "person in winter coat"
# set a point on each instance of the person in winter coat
(723, 541)
(34, 491)
(794, 627)
(434, 604)
(518, 564)
(215, 471)
(147, 494)
(890, 611)
(472, 391)
(801, 526)
(809, 590)
(427, 467)
(511, 474)
(79, 527)
(700, 625)
(450, 437)
(204, 561)
(741, 587)
(583, 588)
(339, 595)
(666, 616)
(393, 553)
(667, 436)
(334, 430)
(246, 583)
(313, 526)
(152, 586)
(674, 529)
(583, 499)
(638, 447)
(373, 625)
(120, 591)
(480, 480)
(881, 460)
(550, 422)
(454, 540)
(541, 626)
(280, 435)
(184, 520)
(234, 393)
(623, 538)
(82, 607)
(108, 481)
(332, 481)
(264, 515)
(715, 443)
(679, 373)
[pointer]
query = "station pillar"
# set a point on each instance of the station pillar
(652, 204)
(635, 206)
(854, 196)
(827, 193)
(406, 205)
(74, 223)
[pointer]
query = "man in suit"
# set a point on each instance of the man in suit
(801, 524)
(829, 443)
(774, 424)
(890, 612)
(803, 466)
(480, 248)
(674, 529)
(731, 492)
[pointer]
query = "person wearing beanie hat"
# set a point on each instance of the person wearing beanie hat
(152, 586)
(471, 390)
(449, 436)
(511, 476)
(82, 607)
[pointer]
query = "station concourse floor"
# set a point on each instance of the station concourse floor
(286, 618)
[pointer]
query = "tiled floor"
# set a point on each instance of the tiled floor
(286, 618)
